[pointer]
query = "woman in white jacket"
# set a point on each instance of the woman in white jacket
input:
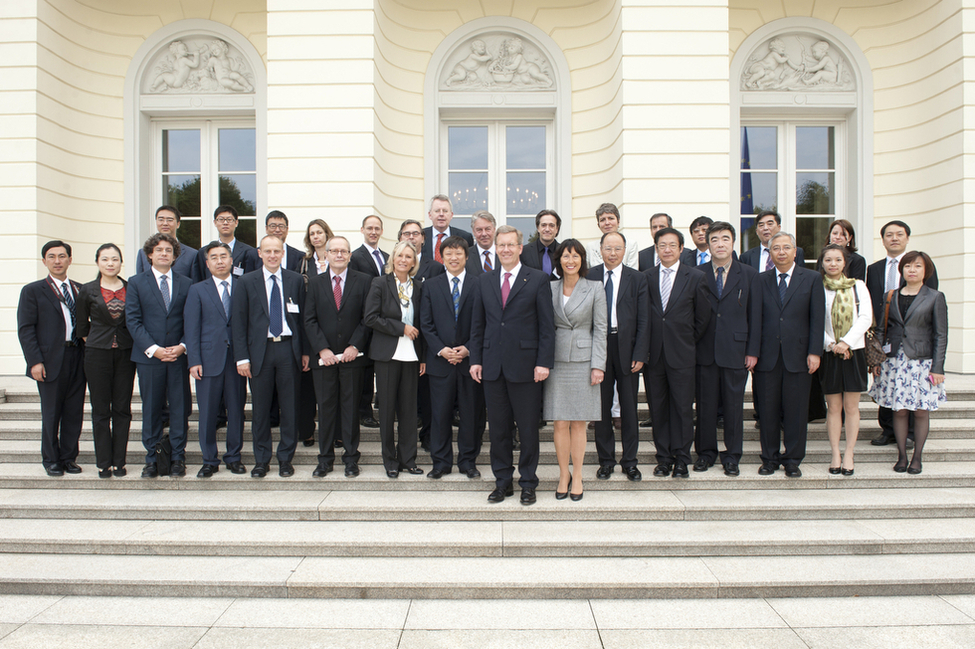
(843, 372)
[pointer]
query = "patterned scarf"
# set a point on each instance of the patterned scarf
(843, 304)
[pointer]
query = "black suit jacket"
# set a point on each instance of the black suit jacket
(877, 278)
(793, 326)
(675, 332)
(632, 312)
(245, 258)
(437, 320)
(362, 261)
(292, 258)
(727, 339)
(40, 326)
(647, 260)
(430, 238)
(185, 265)
(250, 317)
(384, 315)
(207, 327)
(146, 317)
(429, 269)
(335, 329)
(95, 323)
(531, 255)
(516, 339)
(475, 261)
(753, 257)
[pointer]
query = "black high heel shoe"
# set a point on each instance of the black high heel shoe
(835, 470)
(562, 495)
(847, 472)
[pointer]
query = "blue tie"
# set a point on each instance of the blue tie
(720, 281)
(275, 308)
(700, 258)
(164, 288)
(546, 262)
(609, 299)
(455, 297)
(783, 287)
(225, 298)
(379, 260)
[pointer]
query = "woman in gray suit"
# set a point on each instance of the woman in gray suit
(912, 378)
(571, 392)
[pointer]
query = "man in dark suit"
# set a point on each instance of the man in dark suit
(628, 345)
(441, 214)
(338, 342)
(46, 318)
(767, 225)
(446, 308)
(246, 258)
(369, 260)
(482, 256)
(154, 303)
(679, 314)
(268, 349)
(210, 355)
(699, 254)
(882, 276)
(276, 223)
(725, 353)
(540, 253)
(167, 221)
(512, 350)
(788, 311)
(648, 256)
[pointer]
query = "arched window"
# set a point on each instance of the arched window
(195, 130)
(496, 130)
(801, 128)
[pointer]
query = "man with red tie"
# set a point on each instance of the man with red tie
(441, 214)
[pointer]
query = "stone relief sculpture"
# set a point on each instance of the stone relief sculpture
(497, 62)
(796, 62)
(202, 67)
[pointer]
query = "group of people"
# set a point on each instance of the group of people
(475, 328)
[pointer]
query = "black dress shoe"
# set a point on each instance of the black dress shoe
(236, 467)
(351, 470)
(847, 472)
(703, 464)
(633, 473)
(392, 473)
(120, 472)
(55, 471)
(731, 469)
(883, 439)
(105, 473)
(412, 470)
(260, 470)
(71, 467)
(680, 470)
(369, 422)
(604, 472)
(205, 472)
(792, 471)
(499, 494)
(835, 470)
(576, 497)
(768, 468)
(285, 469)
(150, 470)
(308, 442)
(321, 470)
(661, 471)
(338, 444)
(436, 474)
(473, 473)
(528, 497)
(647, 423)
(178, 469)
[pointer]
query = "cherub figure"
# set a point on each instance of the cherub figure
(819, 67)
(474, 67)
(511, 61)
(225, 75)
(183, 62)
(765, 73)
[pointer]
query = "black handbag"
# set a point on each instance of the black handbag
(164, 451)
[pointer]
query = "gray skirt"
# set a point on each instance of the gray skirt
(568, 394)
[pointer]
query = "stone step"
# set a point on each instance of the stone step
(359, 539)
(817, 451)
(225, 504)
(489, 577)
(869, 475)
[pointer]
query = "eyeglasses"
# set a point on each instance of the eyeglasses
(609, 249)
(668, 246)
(165, 219)
(224, 219)
(338, 251)
(412, 233)
(276, 227)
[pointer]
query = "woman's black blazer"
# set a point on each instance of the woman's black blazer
(96, 323)
(383, 314)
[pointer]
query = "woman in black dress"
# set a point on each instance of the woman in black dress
(841, 233)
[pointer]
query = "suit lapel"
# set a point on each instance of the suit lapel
(921, 297)
(214, 294)
(654, 280)
(732, 279)
(495, 283)
(797, 279)
(578, 297)
(517, 282)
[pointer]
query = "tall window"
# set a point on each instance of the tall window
(504, 167)
(203, 164)
(791, 167)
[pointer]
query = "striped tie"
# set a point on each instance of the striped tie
(665, 285)
(455, 297)
(70, 302)
(487, 262)
(164, 289)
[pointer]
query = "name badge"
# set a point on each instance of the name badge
(292, 307)
(238, 271)
(886, 348)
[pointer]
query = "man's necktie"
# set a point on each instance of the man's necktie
(337, 291)
(379, 260)
(720, 281)
(609, 299)
(274, 310)
(547, 262)
(701, 258)
(70, 302)
(505, 289)
(665, 286)
(488, 267)
(225, 298)
(891, 275)
(783, 287)
(768, 261)
(455, 298)
(437, 257)
(164, 289)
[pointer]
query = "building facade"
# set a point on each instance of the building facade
(340, 109)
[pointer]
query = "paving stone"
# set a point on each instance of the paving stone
(135, 611)
(929, 637)
(500, 639)
(20, 609)
(684, 614)
(276, 638)
(701, 639)
(438, 614)
(866, 611)
(32, 636)
(316, 613)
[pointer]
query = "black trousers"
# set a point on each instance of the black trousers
(62, 410)
(368, 390)
(424, 407)
(783, 424)
(520, 403)
(280, 371)
(396, 383)
(627, 384)
(337, 390)
(672, 404)
(111, 377)
(307, 404)
(459, 387)
(157, 382)
(720, 386)
(228, 388)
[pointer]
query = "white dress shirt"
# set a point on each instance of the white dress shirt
(613, 322)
